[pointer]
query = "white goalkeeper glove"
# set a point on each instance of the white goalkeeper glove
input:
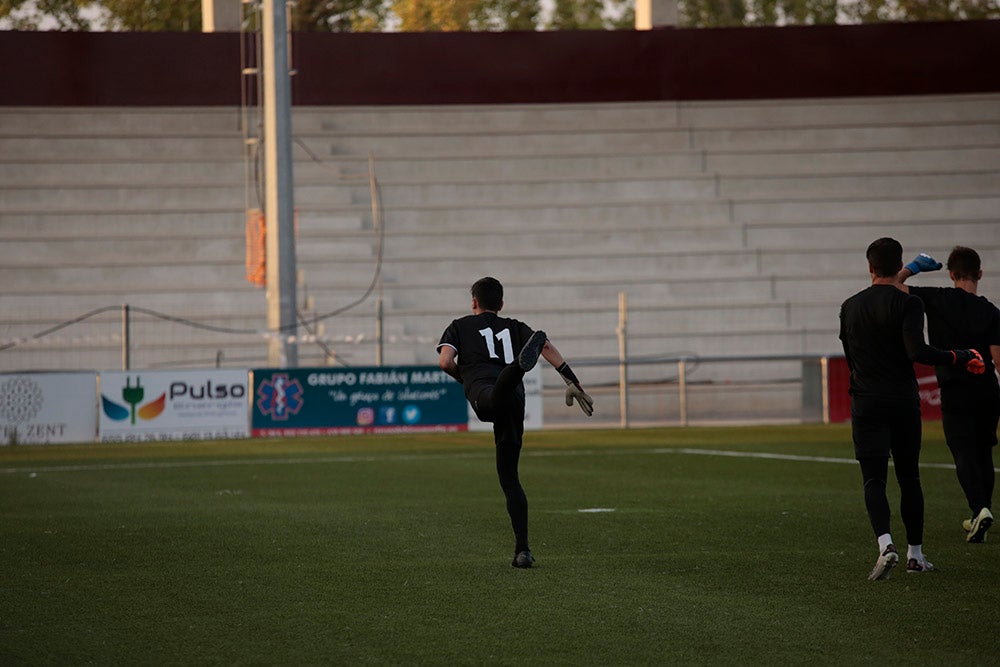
(583, 399)
(575, 391)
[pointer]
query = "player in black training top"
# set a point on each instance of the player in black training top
(970, 404)
(489, 355)
(882, 331)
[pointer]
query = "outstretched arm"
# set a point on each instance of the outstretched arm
(574, 391)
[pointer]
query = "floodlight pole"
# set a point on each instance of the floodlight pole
(279, 193)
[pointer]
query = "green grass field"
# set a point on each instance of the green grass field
(397, 550)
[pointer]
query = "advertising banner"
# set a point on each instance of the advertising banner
(532, 404)
(840, 400)
(48, 408)
(930, 392)
(174, 405)
(334, 401)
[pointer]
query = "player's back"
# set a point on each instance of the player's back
(872, 324)
(485, 342)
(957, 319)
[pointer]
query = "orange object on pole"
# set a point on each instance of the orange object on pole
(256, 251)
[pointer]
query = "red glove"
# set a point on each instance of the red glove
(971, 360)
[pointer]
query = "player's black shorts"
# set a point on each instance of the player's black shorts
(966, 431)
(484, 403)
(881, 427)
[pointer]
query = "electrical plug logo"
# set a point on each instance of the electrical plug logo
(133, 396)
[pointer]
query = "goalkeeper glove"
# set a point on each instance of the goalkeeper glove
(575, 391)
(584, 400)
(923, 262)
(971, 360)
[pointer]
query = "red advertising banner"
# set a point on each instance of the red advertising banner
(930, 392)
(838, 382)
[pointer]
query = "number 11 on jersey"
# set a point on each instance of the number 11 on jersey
(504, 338)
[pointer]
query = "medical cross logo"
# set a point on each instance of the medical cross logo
(280, 397)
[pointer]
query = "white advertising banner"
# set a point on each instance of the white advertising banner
(48, 408)
(532, 404)
(174, 405)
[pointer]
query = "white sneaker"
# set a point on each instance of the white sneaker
(916, 566)
(884, 564)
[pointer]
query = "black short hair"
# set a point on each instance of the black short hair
(489, 292)
(886, 257)
(964, 263)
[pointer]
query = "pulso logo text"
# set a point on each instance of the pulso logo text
(208, 390)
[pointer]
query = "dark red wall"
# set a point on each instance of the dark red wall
(158, 69)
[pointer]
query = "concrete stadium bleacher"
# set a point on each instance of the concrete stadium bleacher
(733, 227)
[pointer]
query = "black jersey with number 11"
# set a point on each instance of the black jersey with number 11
(485, 344)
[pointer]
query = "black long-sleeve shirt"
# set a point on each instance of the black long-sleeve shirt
(882, 331)
(957, 319)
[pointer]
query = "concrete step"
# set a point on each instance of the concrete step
(156, 147)
(486, 118)
(130, 173)
(152, 197)
(914, 233)
(876, 210)
(147, 330)
(184, 224)
(840, 111)
(551, 191)
(633, 265)
(163, 224)
(643, 321)
(118, 121)
(558, 243)
(462, 217)
(861, 185)
(139, 276)
(835, 288)
(33, 253)
(740, 113)
(115, 198)
(49, 252)
(497, 144)
(863, 136)
(848, 161)
(450, 298)
(550, 167)
(836, 259)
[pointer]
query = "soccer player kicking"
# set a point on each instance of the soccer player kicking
(479, 351)
(882, 331)
(970, 404)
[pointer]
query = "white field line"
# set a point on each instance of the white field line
(347, 458)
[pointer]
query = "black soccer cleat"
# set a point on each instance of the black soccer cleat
(523, 559)
(528, 357)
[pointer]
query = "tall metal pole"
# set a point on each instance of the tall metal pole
(682, 394)
(126, 338)
(377, 225)
(279, 193)
(623, 358)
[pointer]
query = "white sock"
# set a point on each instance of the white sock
(884, 540)
(915, 551)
